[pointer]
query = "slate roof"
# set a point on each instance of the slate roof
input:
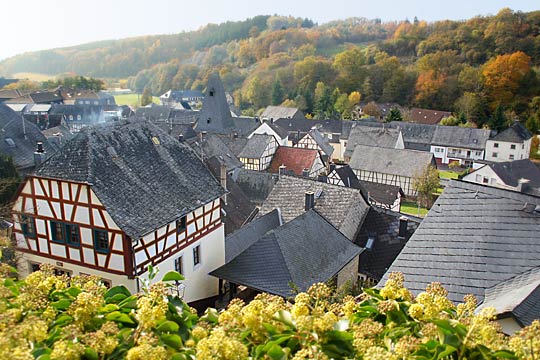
(323, 143)
(512, 171)
(215, 115)
(371, 136)
(381, 193)
(334, 202)
(255, 146)
(303, 252)
(9, 94)
(212, 145)
(516, 133)
(256, 185)
(279, 112)
(348, 177)
(428, 117)
(154, 112)
(144, 178)
(456, 136)
(383, 227)
(42, 97)
(518, 296)
(20, 148)
(474, 237)
(237, 242)
(401, 162)
(295, 159)
(415, 136)
(244, 126)
(278, 129)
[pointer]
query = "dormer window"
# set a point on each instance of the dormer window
(211, 92)
(181, 224)
(208, 120)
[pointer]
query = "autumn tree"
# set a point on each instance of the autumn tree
(146, 97)
(503, 76)
(426, 183)
(349, 67)
(372, 109)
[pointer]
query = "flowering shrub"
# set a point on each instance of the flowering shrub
(50, 317)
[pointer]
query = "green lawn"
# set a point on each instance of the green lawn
(132, 99)
(447, 174)
(411, 208)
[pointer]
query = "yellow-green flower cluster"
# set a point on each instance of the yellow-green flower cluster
(220, 345)
(393, 288)
(152, 306)
(526, 342)
(67, 350)
(431, 304)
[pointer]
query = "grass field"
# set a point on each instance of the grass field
(131, 99)
(33, 76)
(447, 174)
(411, 208)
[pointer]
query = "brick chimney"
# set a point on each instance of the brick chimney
(310, 200)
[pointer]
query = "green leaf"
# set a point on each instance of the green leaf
(73, 291)
(117, 316)
(285, 317)
(129, 302)
(173, 276)
(179, 356)
(168, 326)
(210, 315)
(120, 289)
(276, 353)
(172, 340)
(109, 308)
(44, 357)
(90, 354)
(41, 351)
(63, 320)
(504, 354)
(448, 350)
(61, 304)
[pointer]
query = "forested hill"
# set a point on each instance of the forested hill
(472, 67)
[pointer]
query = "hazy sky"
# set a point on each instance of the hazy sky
(29, 25)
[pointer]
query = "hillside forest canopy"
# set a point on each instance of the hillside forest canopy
(477, 68)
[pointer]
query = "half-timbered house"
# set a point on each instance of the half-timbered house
(316, 141)
(117, 199)
(258, 152)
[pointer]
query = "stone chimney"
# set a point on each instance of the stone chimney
(282, 169)
(39, 154)
(223, 180)
(403, 222)
(310, 200)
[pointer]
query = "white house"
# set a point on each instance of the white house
(258, 152)
(268, 128)
(511, 144)
(316, 141)
(117, 199)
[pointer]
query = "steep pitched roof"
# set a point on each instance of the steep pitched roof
(383, 228)
(144, 178)
(429, 117)
(215, 115)
(334, 202)
(279, 112)
(519, 296)
(381, 193)
(415, 136)
(305, 251)
(212, 145)
(457, 136)
(295, 159)
(256, 185)
(243, 125)
(323, 143)
(473, 237)
(255, 146)
(18, 138)
(516, 133)
(237, 242)
(512, 171)
(371, 136)
(154, 112)
(401, 162)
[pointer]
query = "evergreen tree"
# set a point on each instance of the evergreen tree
(394, 115)
(277, 93)
(146, 97)
(532, 124)
(498, 120)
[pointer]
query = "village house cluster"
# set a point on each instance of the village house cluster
(241, 205)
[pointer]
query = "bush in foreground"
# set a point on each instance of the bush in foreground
(53, 317)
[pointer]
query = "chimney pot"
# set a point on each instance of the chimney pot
(40, 147)
(403, 222)
(305, 173)
(181, 138)
(282, 168)
(310, 200)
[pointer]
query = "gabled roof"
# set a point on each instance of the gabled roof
(41, 97)
(474, 237)
(371, 136)
(305, 251)
(516, 133)
(244, 126)
(212, 145)
(9, 94)
(295, 159)
(256, 145)
(381, 193)
(457, 136)
(281, 132)
(408, 163)
(323, 143)
(348, 177)
(519, 296)
(334, 202)
(279, 112)
(18, 138)
(512, 171)
(153, 112)
(237, 242)
(144, 177)
(215, 115)
(256, 185)
(429, 117)
(415, 136)
(383, 228)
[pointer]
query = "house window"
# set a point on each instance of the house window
(494, 155)
(493, 181)
(196, 255)
(486, 180)
(57, 232)
(478, 178)
(208, 120)
(179, 265)
(478, 153)
(181, 224)
(27, 226)
(496, 145)
(71, 117)
(72, 234)
(211, 92)
(78, 117)
(101, 241)
(511, 156)
(513, 146)
(34, 266)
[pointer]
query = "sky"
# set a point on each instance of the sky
(29, 25)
